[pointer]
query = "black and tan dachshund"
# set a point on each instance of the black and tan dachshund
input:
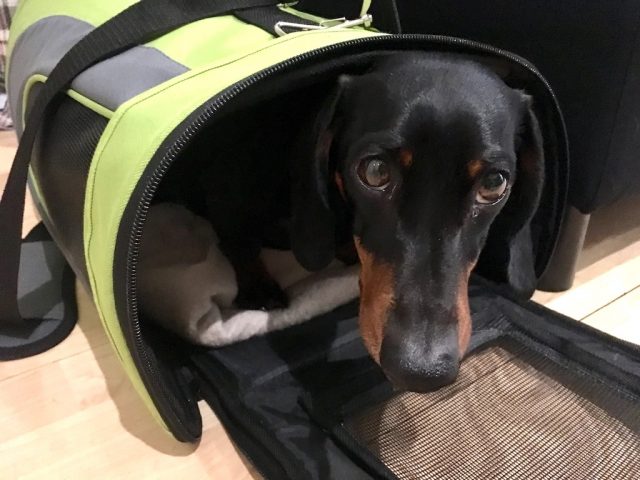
(410, 163)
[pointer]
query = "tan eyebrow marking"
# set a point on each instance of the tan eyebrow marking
(406, 157)
(474, 167)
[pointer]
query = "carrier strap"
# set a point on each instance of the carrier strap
(138, 24)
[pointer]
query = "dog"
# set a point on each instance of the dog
(405, 168)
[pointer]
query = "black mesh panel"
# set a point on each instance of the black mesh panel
(511, 415)
(61, 163)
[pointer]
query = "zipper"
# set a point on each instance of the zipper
(165, 402)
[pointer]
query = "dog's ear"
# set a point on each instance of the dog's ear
(313, 221)
(509, 252)
(523, 203)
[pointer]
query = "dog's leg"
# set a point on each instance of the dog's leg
(257, 290)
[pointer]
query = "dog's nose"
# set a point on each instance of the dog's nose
(421, 377)
(419, 365)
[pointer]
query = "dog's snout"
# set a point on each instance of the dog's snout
(419, 363)
(422, 377)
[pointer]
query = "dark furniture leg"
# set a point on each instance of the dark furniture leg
(562, 267)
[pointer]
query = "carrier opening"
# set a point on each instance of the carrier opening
(260, 123)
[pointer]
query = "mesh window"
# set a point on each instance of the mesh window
(511, 415)
(61, 161)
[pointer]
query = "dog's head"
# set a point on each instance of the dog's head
(425, 151)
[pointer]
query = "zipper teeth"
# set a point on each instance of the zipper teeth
(143, 208)
(209, 111)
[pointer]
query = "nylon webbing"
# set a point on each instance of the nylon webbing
(138, 24)
(267, 17)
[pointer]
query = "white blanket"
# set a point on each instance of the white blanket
(188, 286)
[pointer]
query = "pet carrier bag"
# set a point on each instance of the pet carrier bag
(107, 96)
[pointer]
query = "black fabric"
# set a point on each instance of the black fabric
(46, 297)
(297, 387)
(589, 51)
(331, 9)
(260, 394)
(141, 22)
(61, 160)
(385, 16)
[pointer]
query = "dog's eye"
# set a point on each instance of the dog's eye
(493, 187)
(374, 172)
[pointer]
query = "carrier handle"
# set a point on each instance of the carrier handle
(138, 24)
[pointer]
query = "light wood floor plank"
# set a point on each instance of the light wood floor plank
(599, 284)
(620, 318)
(88, 334)
(86, 444)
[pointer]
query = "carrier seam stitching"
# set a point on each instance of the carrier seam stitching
(70, 92)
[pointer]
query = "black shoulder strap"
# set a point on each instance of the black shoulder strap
(266, 18)
(138, 24)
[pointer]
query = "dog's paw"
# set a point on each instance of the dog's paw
(261, 296)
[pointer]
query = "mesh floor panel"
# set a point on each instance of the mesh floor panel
(510, 415)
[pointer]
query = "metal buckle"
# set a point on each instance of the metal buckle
(332, 24)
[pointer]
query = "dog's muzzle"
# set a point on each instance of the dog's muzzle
(420, 359)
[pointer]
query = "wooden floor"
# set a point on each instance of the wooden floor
(71, 413)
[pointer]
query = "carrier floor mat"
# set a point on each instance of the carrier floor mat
(512, 414)
(541, 396)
